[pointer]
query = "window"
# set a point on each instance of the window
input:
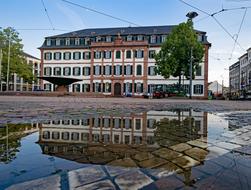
(139, 70)
(86, 71)
(46, 135)
(86, 87)
(198, 89)
(57, 71)
(47, 56)
(67, 41)
(76, 87)
(98, 39)
(118, 54)
(186, 88)
(163, 38)
(118, 70)
(107, 87)
(153, 39)
(87, 55)
(67, 55)
(128, 70)
(128, 123)
(108, 38)
(97, 55)
(127, 87)
(47, 87)
(48, 42)
(139, 54)
(76, 71)
(76, 55)
(129, 38)
(107, 70)
(58, 42)
(150, 123)
(55, 135)
(97, 87)
(128, 54)
(151, 71)
(57, 55)
(140, 38)
(139, 87)
(67, 71)
(151, 54)
(198, 71)
(137, 124)
(108, 54)
(106, 122)
(75, 136)
(47, 71)
(87, 41)
(77, 41)
(65, 135)
(96, 70)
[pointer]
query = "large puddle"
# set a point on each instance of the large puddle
(148, 150)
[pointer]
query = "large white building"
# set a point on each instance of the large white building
(114, 61)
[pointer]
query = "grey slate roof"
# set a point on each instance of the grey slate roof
(144, 30)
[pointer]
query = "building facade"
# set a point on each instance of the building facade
(240, 77)
(114, 61)
(17, 83)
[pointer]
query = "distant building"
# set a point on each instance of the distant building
(115, 61)
(215, 88)
(240, 77)
(17, 83)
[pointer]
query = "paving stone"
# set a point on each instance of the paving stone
(226, 145)
(103, 185)
(143, 156)
(102, 158)
(185, 162)
(210, 168)
(244, 150)
(239, 141)
(198, 143)
(169, 183)
(133, 180)
(164, 170)
(152, 162)
(126, 162)
(180, 147)
(50, 183)
(116, 170)
(228, 135)
(95, 150)
(215, 152)
(167, 153)
(85, 175)
(197, 153)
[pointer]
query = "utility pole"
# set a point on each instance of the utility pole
(191, 73)
(8, 66)
(1, 56)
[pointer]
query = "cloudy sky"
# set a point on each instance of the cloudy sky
(30, 14)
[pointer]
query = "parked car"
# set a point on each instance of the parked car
(146, 95)
(159, 94)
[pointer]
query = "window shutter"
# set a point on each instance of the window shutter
(93, 70)
(135, 54)
(93, 87)
(142, 53)
(125, 70)
(124, 87)
(121, 70)
(114, 70)
(103, 70)
(110, 70)
(130, 89)
(100, 71)
(103, 87)
(135, 87)
(149, 70)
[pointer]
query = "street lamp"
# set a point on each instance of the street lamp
(191, 16)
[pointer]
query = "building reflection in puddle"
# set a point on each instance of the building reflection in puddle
(160, 142)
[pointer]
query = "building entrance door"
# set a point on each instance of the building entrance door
(117, 89)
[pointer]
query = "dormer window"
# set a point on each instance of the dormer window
(129, 38)
(77, 41)
(57, 42)
(67, 41)
(98, 39)
(108, 38)
(153, 39)
(163, 38)
(48, 42)
(199, 38)
(140, 38)
(87, 41)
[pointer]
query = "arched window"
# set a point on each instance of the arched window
(118, 54)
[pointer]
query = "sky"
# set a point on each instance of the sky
(30, 14)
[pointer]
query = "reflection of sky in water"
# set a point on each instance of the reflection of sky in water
(30, 163)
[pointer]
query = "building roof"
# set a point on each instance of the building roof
(30, 56)
(144, 30)
(243, 56)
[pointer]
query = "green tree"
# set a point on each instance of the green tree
(18, 64)
(175, 54)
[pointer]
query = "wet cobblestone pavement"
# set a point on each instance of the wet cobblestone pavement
(77, 144)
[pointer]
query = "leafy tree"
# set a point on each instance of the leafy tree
(18, 64)
(175, 54)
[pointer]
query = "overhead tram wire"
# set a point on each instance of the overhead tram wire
(41, 29)
(242, 21)
(216, 20)
(101, 13)
(46, 12)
